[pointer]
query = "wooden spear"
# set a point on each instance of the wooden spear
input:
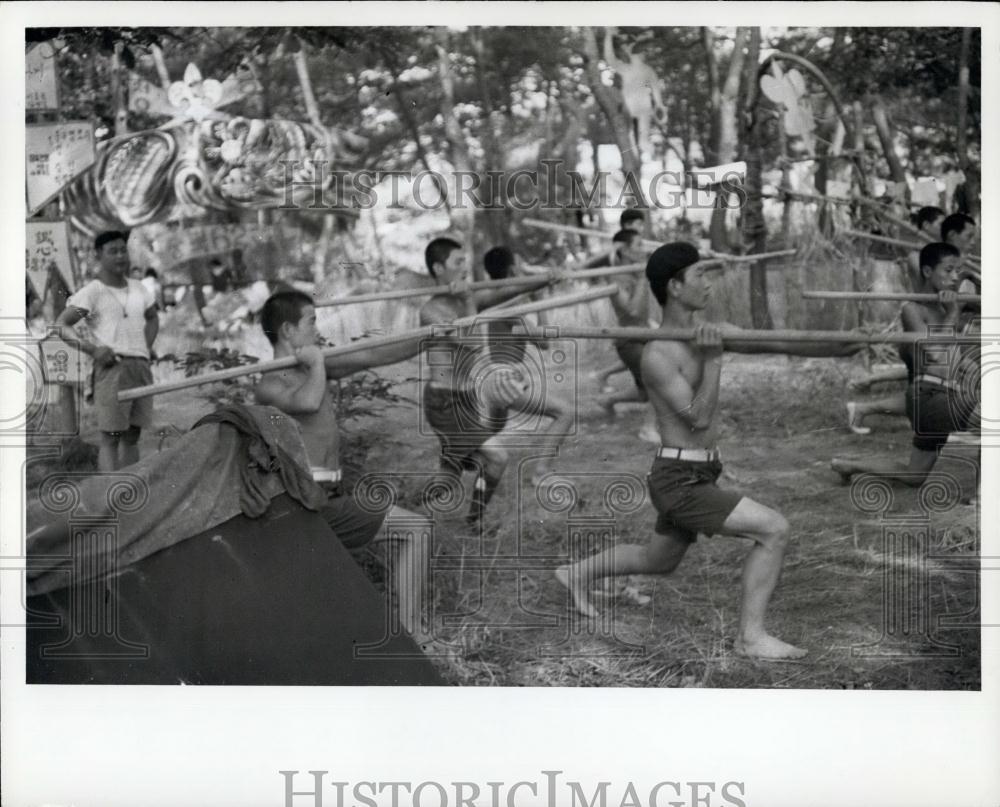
(739, 336)
(646, 242)
(507, 282)
(364, 344)
(878, 295)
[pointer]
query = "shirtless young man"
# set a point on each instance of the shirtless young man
(288, 319)
(466, 397)
(936, 402)
(683, 383)
(928, 221)
(508, 350)
(630, 306)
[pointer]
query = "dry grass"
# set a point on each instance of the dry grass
(782, 423)
(782, 420)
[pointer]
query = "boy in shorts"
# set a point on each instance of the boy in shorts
(121, 314)
(682, 380)
(943, 393)
(467, 396)
(288, 319)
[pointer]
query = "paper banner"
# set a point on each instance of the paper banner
(56, 153)
(41, 83)
(47, 242)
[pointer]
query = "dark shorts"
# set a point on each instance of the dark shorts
(126, 373)
(354, 526)
(631, 355)
(935, 412)
(457, 418)
(686, 497)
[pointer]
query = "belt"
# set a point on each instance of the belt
(325, 475)
(933, 379)
(689, 454)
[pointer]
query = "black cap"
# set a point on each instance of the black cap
(670, 259)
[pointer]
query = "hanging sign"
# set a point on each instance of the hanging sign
(41, 85)
(56, 153)
(47, 243)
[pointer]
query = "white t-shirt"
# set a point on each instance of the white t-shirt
(116, 317)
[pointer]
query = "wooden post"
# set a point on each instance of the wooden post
(118, 90)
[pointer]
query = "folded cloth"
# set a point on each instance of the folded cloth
(165, 498)
(265, 455)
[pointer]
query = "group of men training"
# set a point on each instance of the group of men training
(477, 380)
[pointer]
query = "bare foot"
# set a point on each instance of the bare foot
(769, 648)
(845, 469)
(631, 594)
(853, 422)
(649, 435)
(580, 599)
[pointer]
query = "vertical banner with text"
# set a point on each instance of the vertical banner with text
(56, 153)
(41, 83)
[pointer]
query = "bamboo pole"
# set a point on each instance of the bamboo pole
(740, 336)
(507, 282)
(647, 242)
(891, 296)
(882, 239)
(364, 344)
(896, 242)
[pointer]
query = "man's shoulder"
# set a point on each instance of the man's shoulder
(87, 294)
(438, 309)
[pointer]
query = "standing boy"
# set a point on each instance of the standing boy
(121, 314)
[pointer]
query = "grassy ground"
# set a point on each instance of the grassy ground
(783, 419)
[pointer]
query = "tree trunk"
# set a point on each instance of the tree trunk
(724, 129)
(714, 93)
(462, 214)
(118, 90)
(972, 179)
(403, 104)
(610, 101)
(884, 130)
(754, 227)
(497, 219)
(305, 83)
(161, 66)
(322, 249)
